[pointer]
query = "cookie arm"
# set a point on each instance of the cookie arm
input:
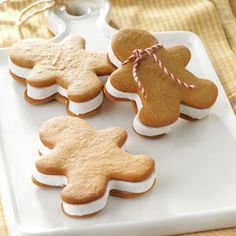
(86, 86)
(100, 63)
(129, 167)
(117, 135)
(122, 79)
(178, 55)
(42, 76)
(50, 163)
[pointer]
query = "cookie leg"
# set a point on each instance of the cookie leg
(86, 197)
(197, 103)
(85, 98)
(47, 171)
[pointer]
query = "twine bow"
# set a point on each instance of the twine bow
(137, 56)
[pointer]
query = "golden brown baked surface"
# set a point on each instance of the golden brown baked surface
(66, 63)
(164, 96)
(88, 158)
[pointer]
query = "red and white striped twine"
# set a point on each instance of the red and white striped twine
(138, 54)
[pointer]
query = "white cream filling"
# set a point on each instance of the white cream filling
(137, 124)
(139, 127)
(94, 206)
(194, 112)
(114, 60)
(43, 93)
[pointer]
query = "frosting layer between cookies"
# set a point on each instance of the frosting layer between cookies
(94, 206)
(148, 130)
(42, 93)
(139, 127)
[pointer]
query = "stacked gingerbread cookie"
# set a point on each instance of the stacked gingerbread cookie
(90, 164)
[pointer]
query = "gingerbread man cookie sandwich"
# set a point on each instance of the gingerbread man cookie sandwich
(63, 71)
(156, 80)
(90, 165)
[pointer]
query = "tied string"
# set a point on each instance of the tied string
(26, 13)
(137, 56)
(48, 4)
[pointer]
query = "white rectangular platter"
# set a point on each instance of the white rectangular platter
(196, 166)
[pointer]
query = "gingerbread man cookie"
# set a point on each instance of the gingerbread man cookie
(64, 71)
(156, 80)
(90, 164)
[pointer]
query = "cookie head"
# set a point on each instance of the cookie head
(126, 40)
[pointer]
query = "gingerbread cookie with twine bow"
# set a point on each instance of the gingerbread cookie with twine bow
(89, 164)
(156, 80)
(63, 71)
